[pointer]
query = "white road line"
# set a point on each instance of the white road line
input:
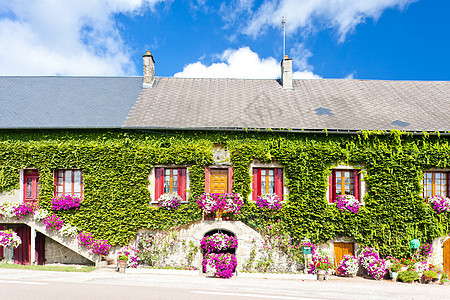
(23, 282)
(252, 295)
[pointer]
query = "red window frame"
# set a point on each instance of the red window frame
(256, 182)
(64, 192)
(159, 182)
(356, 184)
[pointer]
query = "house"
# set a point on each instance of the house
(120, 143)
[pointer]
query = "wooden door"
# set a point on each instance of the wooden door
(22, 253)
(31, 187)
(341, 249)
(446, 249)
(219, 181)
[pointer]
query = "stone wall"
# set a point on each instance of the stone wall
(57, 253)
(13, 196)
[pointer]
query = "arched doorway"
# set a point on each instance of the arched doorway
(224, 251)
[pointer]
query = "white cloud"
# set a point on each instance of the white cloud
(240, 63)
(307, 15)
(47, 37)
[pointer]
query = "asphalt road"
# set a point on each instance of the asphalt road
(105, 284)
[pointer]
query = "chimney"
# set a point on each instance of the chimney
(149, 70)
(286, 73)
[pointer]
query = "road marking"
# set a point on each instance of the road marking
(252, 295)
(23, 282)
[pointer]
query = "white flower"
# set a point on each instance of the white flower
(40, 214)
(69, 230)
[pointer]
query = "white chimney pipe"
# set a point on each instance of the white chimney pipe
(149, 70)
(286, 73)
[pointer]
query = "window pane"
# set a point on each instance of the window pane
(28, 188)
(338, 174)
(263, 172)
(77, 182)
(175, 172)
(68, 182)
(338, 180)
(271, 172)
(347, 174)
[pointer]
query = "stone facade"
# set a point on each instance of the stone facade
(57, 253)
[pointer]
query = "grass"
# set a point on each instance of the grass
(4, 265)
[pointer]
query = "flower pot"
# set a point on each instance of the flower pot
(394, 276)
(122, 263)
(321, 275)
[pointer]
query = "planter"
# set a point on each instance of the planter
(122, 263)
(394, 276)
(321, 275)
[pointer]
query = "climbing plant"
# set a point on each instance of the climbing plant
(116, 165)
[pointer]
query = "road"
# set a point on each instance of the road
(106, 284)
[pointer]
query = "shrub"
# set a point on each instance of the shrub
(408, 276)
(430, 274)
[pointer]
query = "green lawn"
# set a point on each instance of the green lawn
(4, 265)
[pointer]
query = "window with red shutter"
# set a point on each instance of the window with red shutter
(267, 181)
(169, 181)
(69, 182)
(344, 182)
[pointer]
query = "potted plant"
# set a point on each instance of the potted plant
(429, 276)
(408, 276)
(322, 267)
(122, 260)
(395, 267)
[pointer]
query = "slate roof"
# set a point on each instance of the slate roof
(332, 104)
(227, 104)
(66, 102)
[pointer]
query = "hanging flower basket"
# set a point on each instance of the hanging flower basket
(439, 204)
(269, 201)
(9, 238)
(347, 203)
(218, 242)
(221, 265)
(169, 201)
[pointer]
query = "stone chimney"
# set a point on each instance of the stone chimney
(286, 73)
(149, 70)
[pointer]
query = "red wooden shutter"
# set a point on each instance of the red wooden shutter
(448, 184)
(258, 186)
(159, 182)
(356, 184)
(279, 183)
(182, 183)
(230, 180)
(332, 186)
(255, 184)
(207, 179)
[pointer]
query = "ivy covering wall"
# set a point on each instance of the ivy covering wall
(116, 165)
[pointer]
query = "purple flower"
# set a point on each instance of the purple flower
(66, 202)
(212, 202)
(22, 210)
(347, 203)
(218, 242)
(269, 201)
(53, 222)
(440, 204)
(220, 264)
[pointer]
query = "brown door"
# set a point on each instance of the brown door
(31, 186)
(341, 249)
(219, 181)
(446, 249)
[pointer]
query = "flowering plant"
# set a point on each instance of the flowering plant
(347, 203)
(421, 266)
(440, 204)
(348, 265)
(323, 264)
(97, 246)
(131, 255)
(212, 202)
(40, 214)
(69, 230)
(66, 202)
(218, 242)
(371, 261)
(269, 201)
(169, 201)
(426, 250)
(53, 222)
(9, 238)
(219, 264)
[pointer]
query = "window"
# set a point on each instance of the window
(435, 184)
(69, 182)
(267, 180)
(169, 181)
(344, 182)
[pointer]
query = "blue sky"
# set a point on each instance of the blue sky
(360, 39)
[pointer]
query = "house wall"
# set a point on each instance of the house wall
(116, 166)
(57, 253)
(10, 196)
